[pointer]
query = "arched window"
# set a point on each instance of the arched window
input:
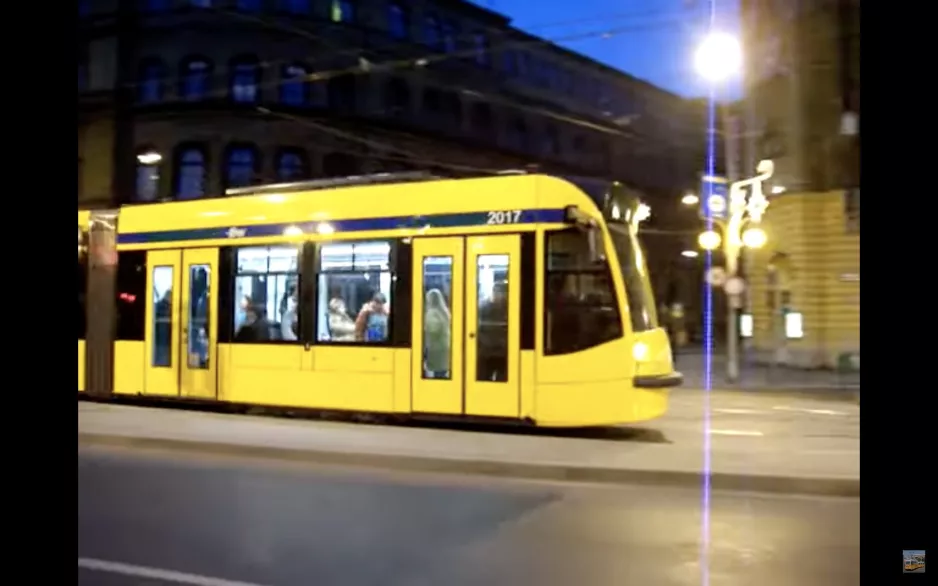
(397, 96)
(294, 89)
(432, 35)
(245, 78)
(148, 175)
(194, 78)
(480, 44)
(292, 165)
(241, 165)
(339, 165)
(150, 80)
(397, 20)
(190, 172)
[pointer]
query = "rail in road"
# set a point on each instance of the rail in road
(754, 443)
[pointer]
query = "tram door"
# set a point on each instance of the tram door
(181, 326)
(466, 327)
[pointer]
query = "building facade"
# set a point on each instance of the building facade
(802, 111)
(182, 99)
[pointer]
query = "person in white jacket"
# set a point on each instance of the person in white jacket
(341, 325)
(288, 317)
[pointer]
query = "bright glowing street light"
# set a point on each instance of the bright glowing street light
(690, 200)
(754, 238)
(149, 158)
(709, 240)
(689, 254)
(718, 57)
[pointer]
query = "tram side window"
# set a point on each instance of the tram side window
(267, 288)
(82, 292)
(131, 295)
(354, 301)
(580, 306)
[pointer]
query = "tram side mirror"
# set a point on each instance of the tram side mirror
(595, 239)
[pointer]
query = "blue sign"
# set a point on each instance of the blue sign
(714, 200)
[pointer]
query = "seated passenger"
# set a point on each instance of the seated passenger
(372, 322)
(256, 327)
(341, 326)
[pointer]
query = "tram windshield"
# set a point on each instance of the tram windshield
(617, 204)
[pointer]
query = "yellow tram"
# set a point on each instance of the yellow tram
(521, 297)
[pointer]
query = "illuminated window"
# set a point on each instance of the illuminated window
(148, 180)
(267, 285)
(241, 166)
(291, 165)
(190, 172)
(150, 81)
(342, 11)
(354, 302)
(245, 78)
(194, 82)
(294, 90)
(432, 35)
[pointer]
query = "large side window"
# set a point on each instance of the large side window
(354, 300)
(131, 295)
(580, 305)
(266, 294)
(82, 292)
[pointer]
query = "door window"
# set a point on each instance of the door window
(162, 317)
(198, 346)
(437, 317)
(492, 317)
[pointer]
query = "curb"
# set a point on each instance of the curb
(816, 486)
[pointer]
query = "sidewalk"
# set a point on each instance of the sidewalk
(754, 377)
(757, 444)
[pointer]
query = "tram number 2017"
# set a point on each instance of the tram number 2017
(506, 217)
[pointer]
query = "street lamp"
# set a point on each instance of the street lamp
(718, 57)
(690, 199)
(740, 226)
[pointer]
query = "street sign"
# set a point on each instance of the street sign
(735, 286)
(715, 277)
(713, 197)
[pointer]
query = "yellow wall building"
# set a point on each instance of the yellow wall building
(811, 265)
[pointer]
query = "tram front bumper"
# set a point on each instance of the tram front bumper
(658, 381)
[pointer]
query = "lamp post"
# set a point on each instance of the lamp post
(740, 226)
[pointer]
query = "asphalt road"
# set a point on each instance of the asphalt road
(150, 519)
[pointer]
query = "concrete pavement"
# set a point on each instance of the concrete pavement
(746, 442)
(763, 378)
(163, 519)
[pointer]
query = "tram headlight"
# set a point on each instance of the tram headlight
(640, 351)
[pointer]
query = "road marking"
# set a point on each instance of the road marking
(742, 432)
(811, 411)
(737, 411)
(156, 573)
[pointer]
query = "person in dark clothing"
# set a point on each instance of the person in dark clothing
(256, 328)
(492, 359)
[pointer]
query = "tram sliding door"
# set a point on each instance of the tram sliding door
(181, 336)
(466, 326)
